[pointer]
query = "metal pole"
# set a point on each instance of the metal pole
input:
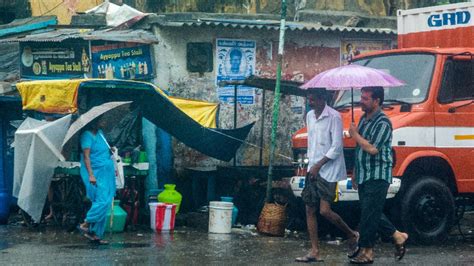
(235, 106)
(262, 126)
(276, 101)
(235, 117)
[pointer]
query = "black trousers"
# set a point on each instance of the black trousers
(372, 196)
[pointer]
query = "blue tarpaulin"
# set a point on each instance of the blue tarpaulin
(10, 109)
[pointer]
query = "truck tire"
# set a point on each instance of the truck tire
(427, 210)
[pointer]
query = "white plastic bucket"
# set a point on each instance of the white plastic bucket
(220, 217)
(162, 216)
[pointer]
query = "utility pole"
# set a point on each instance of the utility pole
(276, 101)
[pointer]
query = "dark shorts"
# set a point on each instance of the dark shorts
(318, 189)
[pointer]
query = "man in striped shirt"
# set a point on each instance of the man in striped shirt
(373, 175)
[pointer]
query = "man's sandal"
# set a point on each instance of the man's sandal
(361, 260)
(308, 259)
(354, 254)
(353, 247)
(98, 241)
(85, 232)
(400, 251)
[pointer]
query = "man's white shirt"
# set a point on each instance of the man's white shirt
(325, 140)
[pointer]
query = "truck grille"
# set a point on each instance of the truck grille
(349, 157)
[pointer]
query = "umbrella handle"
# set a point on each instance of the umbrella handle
(352, 104)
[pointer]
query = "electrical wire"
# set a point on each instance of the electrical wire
(249, 144)
(48, 11)
(53, 8)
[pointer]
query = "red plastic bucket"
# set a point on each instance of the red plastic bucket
(162, 216)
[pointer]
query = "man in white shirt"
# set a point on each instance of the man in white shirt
(326, 167)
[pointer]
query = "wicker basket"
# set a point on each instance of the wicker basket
(272, 220)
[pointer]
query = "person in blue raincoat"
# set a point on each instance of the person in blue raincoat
(98, 175)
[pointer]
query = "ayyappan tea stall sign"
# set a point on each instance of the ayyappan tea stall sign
(122, 61)
(49, 60)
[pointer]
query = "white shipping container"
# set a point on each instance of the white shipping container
(437, 26)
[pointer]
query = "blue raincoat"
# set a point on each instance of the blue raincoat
(103, 192)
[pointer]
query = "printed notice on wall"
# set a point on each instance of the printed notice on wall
(235, 61)
(352, 48)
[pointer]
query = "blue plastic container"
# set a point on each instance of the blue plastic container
(301, 184)
(235, 210)
(4, 195)
(10, 109)
(4, 206)
(349, 184)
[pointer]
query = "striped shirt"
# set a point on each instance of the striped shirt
(378, 131)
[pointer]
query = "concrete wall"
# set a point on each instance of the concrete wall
(306, 54)
(367, 7)
(62, 9)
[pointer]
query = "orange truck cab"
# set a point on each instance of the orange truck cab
(432, 117)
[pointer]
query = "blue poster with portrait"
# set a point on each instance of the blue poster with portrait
(235, 61)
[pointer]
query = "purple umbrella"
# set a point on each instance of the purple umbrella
(352, 77)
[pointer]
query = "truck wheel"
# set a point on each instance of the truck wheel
(427, 210)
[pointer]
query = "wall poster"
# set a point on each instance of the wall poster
(351, 48)
(235, 61)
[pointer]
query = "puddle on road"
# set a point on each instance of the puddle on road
(110, 246)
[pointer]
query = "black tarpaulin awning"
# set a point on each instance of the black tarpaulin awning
(286, 86)
(221, 144)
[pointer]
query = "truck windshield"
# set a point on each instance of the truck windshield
(414, 69)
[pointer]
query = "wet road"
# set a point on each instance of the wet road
(50, 246)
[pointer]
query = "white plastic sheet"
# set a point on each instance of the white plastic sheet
(115, 14)
(37, 154)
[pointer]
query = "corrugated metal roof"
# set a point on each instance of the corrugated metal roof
(9, 67)
(141, 36)
(59, 35)
(275, 25)
(49, 35)
(27, 24)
